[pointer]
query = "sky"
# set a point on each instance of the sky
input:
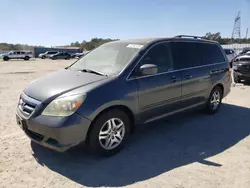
(60, 22)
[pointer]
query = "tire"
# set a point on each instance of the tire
(213, 107)
(27, 58)
(237, 79)
(43, 57)
(5, 58)
(112, 140)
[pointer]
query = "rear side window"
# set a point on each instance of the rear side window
(185, 55)
(211, 53)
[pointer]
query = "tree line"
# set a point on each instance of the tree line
(95, 42)
(217, 37)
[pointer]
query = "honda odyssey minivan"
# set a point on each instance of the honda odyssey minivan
(101, 97)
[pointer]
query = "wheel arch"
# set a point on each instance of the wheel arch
(221, 87)
(123, 108)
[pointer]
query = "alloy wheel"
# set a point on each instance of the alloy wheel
(112, 133)
(215, 100)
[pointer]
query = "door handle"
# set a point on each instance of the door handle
(173, 78)
(188, 76)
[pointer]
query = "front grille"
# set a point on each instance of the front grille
(25, 107)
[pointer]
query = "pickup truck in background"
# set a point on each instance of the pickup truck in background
(26, 55)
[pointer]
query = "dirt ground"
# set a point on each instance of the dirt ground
(186, 151)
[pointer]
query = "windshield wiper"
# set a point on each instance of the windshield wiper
(94, 72)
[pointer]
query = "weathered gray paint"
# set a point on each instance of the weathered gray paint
(147, 97)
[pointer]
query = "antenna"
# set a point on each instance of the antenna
(236, 29)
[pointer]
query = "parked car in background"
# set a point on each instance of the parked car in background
(79, 55)
(17, 54)
(73, 55)
(101, 98)
(241, 68)
(231, 54)
(244, 51)
(47, 54)
(60, 55)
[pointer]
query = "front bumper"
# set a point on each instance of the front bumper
(57, 133)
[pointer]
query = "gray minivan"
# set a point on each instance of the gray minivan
(101, 97)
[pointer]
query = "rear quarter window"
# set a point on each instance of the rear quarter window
(211, 54)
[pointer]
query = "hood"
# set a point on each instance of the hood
(59, 82)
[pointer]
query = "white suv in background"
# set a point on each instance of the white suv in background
(17, 54)
(230, 54)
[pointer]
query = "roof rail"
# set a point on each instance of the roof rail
(189, 36)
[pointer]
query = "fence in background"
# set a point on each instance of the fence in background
(236, 47)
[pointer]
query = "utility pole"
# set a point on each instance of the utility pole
(237, 27)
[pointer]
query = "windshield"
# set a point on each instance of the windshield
(109, 58)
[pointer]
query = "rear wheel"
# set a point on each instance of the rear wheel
(27, 58)
(214, 100)
(109, 132)
(6, 58)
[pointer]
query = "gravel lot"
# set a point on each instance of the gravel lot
(188, 150)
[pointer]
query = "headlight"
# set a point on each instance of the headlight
(64, 105)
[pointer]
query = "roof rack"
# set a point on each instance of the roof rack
(189, 36)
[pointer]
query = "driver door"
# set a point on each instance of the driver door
(159, 94)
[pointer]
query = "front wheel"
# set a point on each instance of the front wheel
(214, 100)
(109, 132)
(6, 58)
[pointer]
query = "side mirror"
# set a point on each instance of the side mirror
(148, 69)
